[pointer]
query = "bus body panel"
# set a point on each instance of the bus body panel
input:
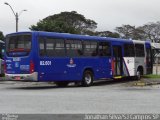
(129, 63)
(18, 65)
(72, 69)
(62, 68)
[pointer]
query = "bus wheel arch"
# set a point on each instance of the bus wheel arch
(88, 77)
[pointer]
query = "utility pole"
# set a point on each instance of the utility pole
(15, 14)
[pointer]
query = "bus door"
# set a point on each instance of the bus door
(117, 61)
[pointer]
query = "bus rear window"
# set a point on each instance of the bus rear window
(18, 45)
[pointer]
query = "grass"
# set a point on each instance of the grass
(151, 76)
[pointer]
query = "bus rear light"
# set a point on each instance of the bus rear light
(31, 67)
(112, 65)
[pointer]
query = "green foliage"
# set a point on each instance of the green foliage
(1, 35)
(67, 22)
(149, 31)
(151, 76)
(72, 22)
(125, 31)
(107, 34)
(128, 31)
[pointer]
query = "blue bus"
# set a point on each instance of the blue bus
(63, 58)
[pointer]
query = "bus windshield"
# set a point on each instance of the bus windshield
(18, 45)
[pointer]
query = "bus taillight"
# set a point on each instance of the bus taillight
(31, 67)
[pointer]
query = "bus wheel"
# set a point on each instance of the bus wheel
(62, 84)
(87, 78)
(138, 75)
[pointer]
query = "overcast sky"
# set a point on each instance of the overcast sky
(107, 13)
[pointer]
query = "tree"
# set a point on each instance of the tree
(1, 35)
(68, 22)
(128, 31)
(107, 34)
(151, 31)
(125, 31)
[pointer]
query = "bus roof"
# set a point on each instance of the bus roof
(83, 37)
(77, 36)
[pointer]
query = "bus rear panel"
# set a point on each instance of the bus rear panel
(19, 57)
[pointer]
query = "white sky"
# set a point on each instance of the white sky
(107, 13)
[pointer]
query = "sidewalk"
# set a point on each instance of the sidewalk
(146, 82)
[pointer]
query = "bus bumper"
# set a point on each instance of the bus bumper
(22, 77)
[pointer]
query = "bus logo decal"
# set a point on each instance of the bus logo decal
(9, 66)
(16, 64)
(71, 63)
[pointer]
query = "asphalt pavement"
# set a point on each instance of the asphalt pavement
(101, 98)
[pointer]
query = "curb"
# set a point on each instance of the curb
(143, 83)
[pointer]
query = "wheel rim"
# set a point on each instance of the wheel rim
(138, 74)
(88, 78)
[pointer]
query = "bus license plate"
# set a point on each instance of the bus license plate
(17, 78)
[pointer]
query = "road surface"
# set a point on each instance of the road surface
(103, 97)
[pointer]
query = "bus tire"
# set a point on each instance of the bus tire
(62, 84)
(138, 74)
(87, 78)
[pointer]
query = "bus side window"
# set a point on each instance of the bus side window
(50, 47)
(129, 50)
(90, 48)
(74, 48)
(139, 48)
(42, 50)
(104, 49)
(59, 48)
